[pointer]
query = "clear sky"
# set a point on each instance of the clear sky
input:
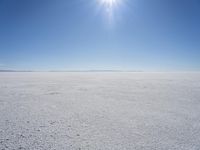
(148, 35)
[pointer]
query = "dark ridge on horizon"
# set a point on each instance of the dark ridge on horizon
(71, 71)
(16, 71)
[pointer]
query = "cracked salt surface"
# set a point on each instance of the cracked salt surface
(99, 110)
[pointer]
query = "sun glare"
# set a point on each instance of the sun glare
(110, 9)
(109, 3)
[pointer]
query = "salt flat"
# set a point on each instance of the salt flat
(100, 111)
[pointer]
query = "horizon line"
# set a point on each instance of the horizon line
(93, 70)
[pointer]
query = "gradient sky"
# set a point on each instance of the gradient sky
(148, 35)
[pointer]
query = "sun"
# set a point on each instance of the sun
(109, 3)
(110, 9)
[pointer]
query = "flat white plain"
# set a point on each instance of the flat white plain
(100, 111)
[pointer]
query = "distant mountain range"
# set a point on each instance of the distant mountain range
(72, 71)
(15, 71)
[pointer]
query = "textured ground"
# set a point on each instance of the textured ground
(100, 111)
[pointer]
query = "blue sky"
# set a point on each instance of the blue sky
(148, 35)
